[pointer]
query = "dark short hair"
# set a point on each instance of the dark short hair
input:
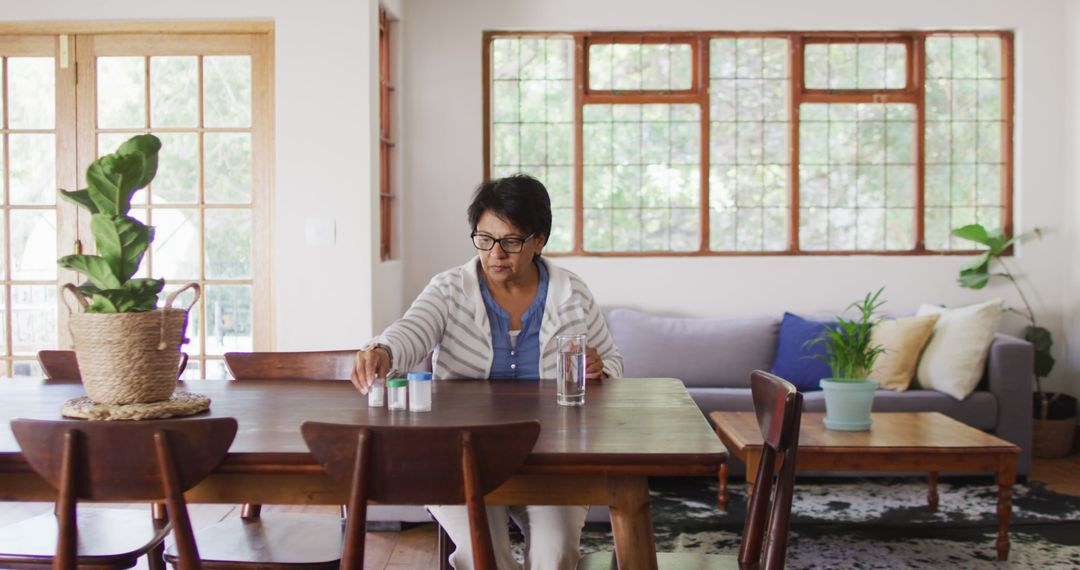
(519, 199)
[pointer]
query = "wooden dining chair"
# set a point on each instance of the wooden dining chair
(413, 465)
(283, 540)
(113, 461)
(62, 364)
(778, 407)
(313, 365)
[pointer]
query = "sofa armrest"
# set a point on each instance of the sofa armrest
(1009, 370)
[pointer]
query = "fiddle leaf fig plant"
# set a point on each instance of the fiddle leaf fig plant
(977, 274)
(121, 240)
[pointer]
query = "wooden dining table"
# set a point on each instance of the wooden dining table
(601, 453)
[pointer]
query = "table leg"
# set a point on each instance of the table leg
(631, 523)
(753, 460)
(931, 494)
(1006, 477)
(722, 493)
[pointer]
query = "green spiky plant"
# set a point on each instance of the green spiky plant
(848, 351)
(121, 240)
(989, 264)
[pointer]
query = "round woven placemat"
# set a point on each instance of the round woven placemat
(180, 404)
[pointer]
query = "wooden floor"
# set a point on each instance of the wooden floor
(415, 547)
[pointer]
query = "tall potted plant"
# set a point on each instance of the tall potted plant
(1055, 413)
(849, 393)
(128, 350)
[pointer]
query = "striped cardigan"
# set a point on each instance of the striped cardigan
(449, 316)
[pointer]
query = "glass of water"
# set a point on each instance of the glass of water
(570, 373)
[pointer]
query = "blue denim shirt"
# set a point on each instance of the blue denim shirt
(520, 361)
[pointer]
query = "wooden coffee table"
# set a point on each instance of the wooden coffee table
(898, 442)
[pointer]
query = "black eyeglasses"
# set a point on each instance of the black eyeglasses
(508, 244)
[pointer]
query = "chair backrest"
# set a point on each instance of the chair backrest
(124, 461)
(62, 364)
(413, 465)
(778, 407)
(316, 365)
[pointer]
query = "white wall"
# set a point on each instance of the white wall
(1071, 303)
(326, 156)
(444, 150)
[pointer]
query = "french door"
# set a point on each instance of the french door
(208, 97)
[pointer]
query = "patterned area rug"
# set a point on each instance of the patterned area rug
(874, 523)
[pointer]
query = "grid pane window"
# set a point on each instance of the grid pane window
(640, 67)
(856, 177)
(965, 144)
(900, 138)
(532, 111)
(856, 66)
(28, 225)
(749, 147)
(642, 177)
(200, 202)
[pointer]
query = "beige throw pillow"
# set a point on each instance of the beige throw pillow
(903, 341)
(953, 360)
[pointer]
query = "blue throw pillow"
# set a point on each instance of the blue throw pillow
(794, 363)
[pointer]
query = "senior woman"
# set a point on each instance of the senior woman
(497, 316)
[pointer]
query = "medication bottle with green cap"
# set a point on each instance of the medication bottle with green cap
(397, 394)
(419, 391)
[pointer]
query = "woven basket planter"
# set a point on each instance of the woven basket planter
(130, 358)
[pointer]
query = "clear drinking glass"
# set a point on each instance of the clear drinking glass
(570, 372)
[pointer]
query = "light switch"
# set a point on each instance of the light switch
(320, 232)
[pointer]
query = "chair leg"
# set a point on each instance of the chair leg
(155, 558)
(446, 546)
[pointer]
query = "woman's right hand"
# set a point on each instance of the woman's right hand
(370, 364)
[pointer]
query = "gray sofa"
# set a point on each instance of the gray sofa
(714, 358)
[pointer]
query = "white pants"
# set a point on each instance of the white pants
(552, 535)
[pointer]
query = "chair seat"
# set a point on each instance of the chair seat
(107, 537)
(285, 540)
(668, 561)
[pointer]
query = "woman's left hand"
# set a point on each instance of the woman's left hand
(594, 365)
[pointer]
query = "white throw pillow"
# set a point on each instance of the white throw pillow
(953, 359)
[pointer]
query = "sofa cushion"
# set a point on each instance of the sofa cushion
(698, 351)
(796, 362)
(903, 340)
(954, 359)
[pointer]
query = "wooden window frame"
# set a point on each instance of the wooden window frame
(77, 131)
(913, 92)
(386, 143)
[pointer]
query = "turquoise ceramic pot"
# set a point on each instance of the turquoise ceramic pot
(848, 403)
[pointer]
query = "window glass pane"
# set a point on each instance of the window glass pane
(176, 243)
(636, 67)
(31, 93)
(227, 91)
(26, 369)
(33, 318)
(33, 244)
(855, 66)
(174, 91)
(965, 149)
(749, 148)
(33, 168)
(856, 167)
(177, 179)
(121, 92)
(532, 120)
(228, 318)
(228, 168)
(228, 244)
(642, 174)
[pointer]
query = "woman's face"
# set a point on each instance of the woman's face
(500, 266)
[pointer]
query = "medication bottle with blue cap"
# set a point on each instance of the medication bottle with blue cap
(419, 391)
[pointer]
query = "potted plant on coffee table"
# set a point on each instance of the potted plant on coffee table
(1054, 413)
(849, 394)
(128, 349)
